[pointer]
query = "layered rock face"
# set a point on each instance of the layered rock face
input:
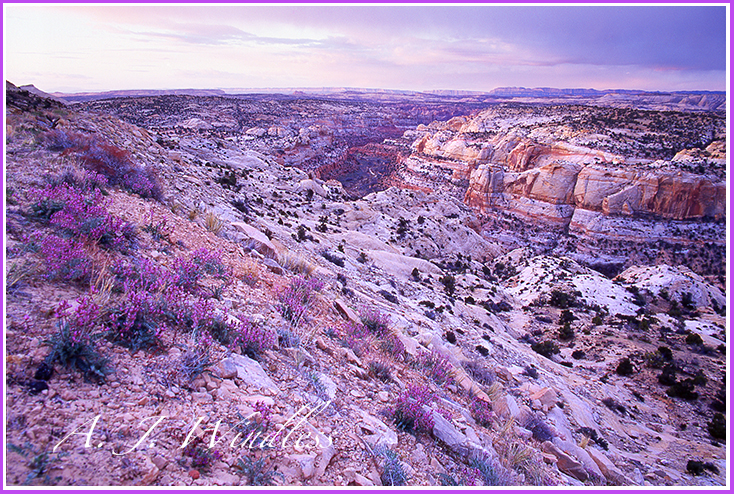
(554, 192)
(549, 168)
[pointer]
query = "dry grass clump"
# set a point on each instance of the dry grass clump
(213, 223)
(295, 263)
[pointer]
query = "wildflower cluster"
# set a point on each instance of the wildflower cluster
(158, 299)
(202, 262)
(65, 259)
(77, 210)
(74, 344)
(374, 320)
(200, 456)
(437, 366)
(252, 339)
(357, 337)
(411, 411)
(108, 160)
(297, 297)
(481, 411)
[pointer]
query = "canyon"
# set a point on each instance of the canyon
(560, 255)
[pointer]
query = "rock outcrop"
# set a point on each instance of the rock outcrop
(544, 191)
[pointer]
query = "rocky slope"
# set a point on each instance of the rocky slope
(429, 353)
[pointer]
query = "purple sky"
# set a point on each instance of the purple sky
(96, 48)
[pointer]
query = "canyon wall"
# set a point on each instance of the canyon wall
(549, 168)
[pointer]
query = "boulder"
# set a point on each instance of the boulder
(260, 242)
(313, 186)
(400, 265)
(613, 474)
(565, 463)
(251, 373)
(375, 432)
(572, 449)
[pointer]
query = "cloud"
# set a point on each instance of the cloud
(403, 47)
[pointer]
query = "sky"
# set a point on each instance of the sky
(425, 47)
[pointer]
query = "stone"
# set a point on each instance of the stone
(613, 474)
(546, 396)
(581, 455)
(375, 432)
(194, 474)
(445, 431)
(345, 311)
(306, 463)
(273, 266)
(252, 374)
(159, 462)
(565, 463)
(226, 369)
(260, 242)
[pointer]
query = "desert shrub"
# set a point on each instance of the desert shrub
(374, 320)
(392, 470)
(684, 389)
(39, 463)
(192, 363)
(659, 358)
(295, 263)
(410, 413)
(561, 299)
(333, 258)
(256, 472)
(625, 367)
(717, 426)
(212, 223)
(566, 332)
(545, 348)
(390, 297)
(287, 338)
(566, 317)
(75, 342)
(612, 404)
(530, 371)
(697, 467)
(380, 370)
(449, 284)
(157, 229)
(479, 373)
(492, 473)
(594, 436)
(694, 339)
(535, 424)
(686, 300)
(668, 376)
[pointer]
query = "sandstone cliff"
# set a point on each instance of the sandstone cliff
(546, 167)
